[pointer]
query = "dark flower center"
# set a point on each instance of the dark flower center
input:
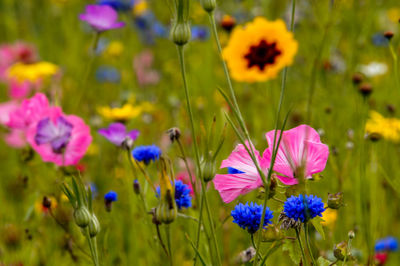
(262, 54)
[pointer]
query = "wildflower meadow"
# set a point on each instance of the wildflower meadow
(199, 132)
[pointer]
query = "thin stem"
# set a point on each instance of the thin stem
(92, 246)
(196, 150)
(145, 176)
(301, 246)
(348, 251)
(254, 244)
(199, 226)
(160, 239)
(395, 64)
(308, 243)
(168, 233)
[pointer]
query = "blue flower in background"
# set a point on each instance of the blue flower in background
(379, 40)
(182, 195)
(248, 216)
(146, 153)
(386, 244)
(119, 5)
(111, 196)
(150, 28)
(303, 208)
(108, 74)
(233, 171)
(200, 33)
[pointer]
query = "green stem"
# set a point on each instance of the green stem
(348, 251)
(92, 246)
(168, 233)
(196, 149)
(395, 64)
(308, 243)
(199, 226)
(301, 246)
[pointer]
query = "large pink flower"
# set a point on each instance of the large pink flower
(230, 186)
(58, 138)
(300, 155)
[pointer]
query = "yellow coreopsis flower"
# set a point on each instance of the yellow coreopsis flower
(124, 113)
(258, 50)
(388, 128)
(329, 217)
(32, 72)
(114, 49)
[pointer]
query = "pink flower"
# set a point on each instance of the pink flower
(143, 66)
(230, 186)
(6, 109)
(101, 17)
(19, 90)
(300, 148)
(15, 138)
(300, 155)
(59, 138)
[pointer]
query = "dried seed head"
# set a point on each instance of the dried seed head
(388, 35)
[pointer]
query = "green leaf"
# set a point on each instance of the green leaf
(323, 262)
(294, 251)
(316, 222)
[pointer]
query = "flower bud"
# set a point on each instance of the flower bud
(271, 233)
(208, 5)
(180, 33)
(340, 250)
(94, 226)
(136, 187)
(365, 89)
(166, 211)
(335, 201)
(208, 170)
(388, 35)
(127, 143)
(174, 133)
(46, 203)
(351, 234)
(82, 217)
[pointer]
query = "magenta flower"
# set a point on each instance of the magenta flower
(230, 186)
(15, 137)
(101, 17)
(300, 155)
(116, 133)
(59, 138)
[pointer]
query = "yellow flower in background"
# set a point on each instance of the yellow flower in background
(40, 208)
(329, 217)
(114, 49)
(388, 128)
(32, 72)
(140, 7)
(259, 50)
(394, 14)
(124, 113)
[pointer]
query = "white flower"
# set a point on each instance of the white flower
(373, 69)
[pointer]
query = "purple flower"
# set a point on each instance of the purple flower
(101, 17)
(58, 134)
(116, 133)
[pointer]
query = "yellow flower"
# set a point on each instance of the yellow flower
(259, 50)
(126, 112)
(388, 128)
(394, 14)
(114, 49)
(140, 8)
(32, 72)
(329, 217)
(39, 208)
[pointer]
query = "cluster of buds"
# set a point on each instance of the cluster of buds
(81, 200)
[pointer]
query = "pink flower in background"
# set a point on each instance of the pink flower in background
(15, 138)
(6, 109)
(20, 90)
(301, 154)
(230, 186)
(101, 17)
(142, 64)
(58, 138)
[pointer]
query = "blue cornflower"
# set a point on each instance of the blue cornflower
(379, 40)
(249, 216)
(233, 171)
(386, 244)
(182, 195)
(303, 208)
(146, 153)
(200, 33)
(108, 74)
(111, 196)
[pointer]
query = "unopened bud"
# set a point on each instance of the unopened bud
(365, 89)
(335, 201)
(127, 143)
(166, 211)
(228, 23)
(340, 250)
(180, 33)
(374, 136)
(357, 78)
(208, 170)
(388, 35)
(136, 187)
(82, 217)
(46, 203)
(94, 226)
(208, 5)
(391, 108)
(174, 133)
(351, 234)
